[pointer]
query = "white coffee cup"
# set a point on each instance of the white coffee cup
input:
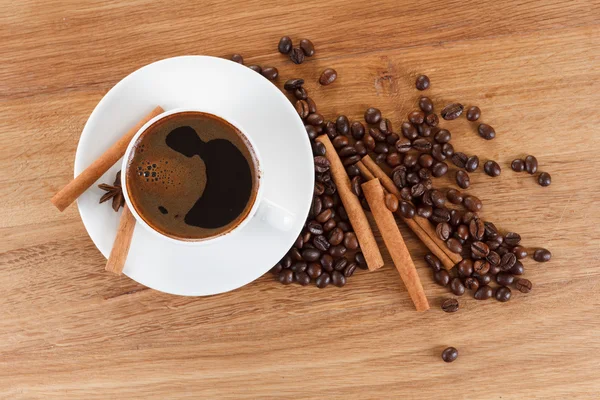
(275, 215)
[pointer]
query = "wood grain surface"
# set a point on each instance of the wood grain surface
(70, 330)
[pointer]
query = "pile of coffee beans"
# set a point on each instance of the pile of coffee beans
(306, 48)
(530, 165)
(271, 73)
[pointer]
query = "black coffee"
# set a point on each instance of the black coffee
(192, 176)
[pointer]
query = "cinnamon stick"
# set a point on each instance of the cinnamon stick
(392, 238)
(423, 223)
(416, 228)
(355, 212)
(118, 254)
(91, 174)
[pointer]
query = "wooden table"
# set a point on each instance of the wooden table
(69, 330)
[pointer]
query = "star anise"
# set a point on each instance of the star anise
(113, 192)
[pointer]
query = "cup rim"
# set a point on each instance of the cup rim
(202, 241)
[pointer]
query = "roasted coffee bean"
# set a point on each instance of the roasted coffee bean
(490, 229)
(472, 163)
(439, 169)
(285, 45)
(392, 138)
(422, 82)
(450, 305)
(302, 108)
(329, 225)
(300, 94)
(441, 277)
(336, 236)
(504, 278)
(410, 160)
(424, 174)
(437, 153)
(453, 244)
(323, 280)
(424, 130)
(544, 179)
(369, 142)
(340, 141)
(321, 164)
(437, 198)
(314, 119)
(372, 115)
(349, 270)
(483, 293)
(518, 165)
(353, 170)
(465, 268)
(472, 284)
(299, 266)
(492, 168)
(462, 232)
(391, 202)
(377, 135)
(347, 151)
(407, 210)
(424, 211)
(338, 278)
(276, 269)
(319, 148)
(393, 159)
(472, 203)
(385, 126)
(380, 159)
(448, 149)
(327, 201)
(381, 148)
(455, 197)
(503, 294)
(512, 239)
(481, 267)
(507, 261)
(337, 251)
(342, 125)
(342, 213)
(455, 218)
(520, 252)
(358, 130)
(433, 262)
(486, 131)
(440, 215)
(328, 76)
(271, 73)
(426, 199)
(321, 243)
(425, 104)
(302, 278)
(255, 68)
(355, 185)
(483, 279)
(443, 230)
(330, 129)
(462, 179)
(316, 209)
(449, 354)
(295, 254)
(324, 216)
(409, 131)
(480, 249)
(360, 148)
(403, 145)
(432, 120)
(502, 250)
(360, 260)
(418, 190)
(422, 145)
(297, 55)
(468, 216)
(542, 255)
(457, 287)
(459, 159)
(494, 258)
(399, 176)
(531, 164)
(299, 242)
(237, 58)
(326, 262)
(473, 113)
(452, 111)
(311, 254)
(442, 136)
(286, 276)
(523, 285)
(312, 133)
(493, 244)
(406, 194)
(315, 228)
(292, 84)
(416, 117)
(340, 264)
(350, 241)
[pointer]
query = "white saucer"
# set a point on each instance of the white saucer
(266, 115)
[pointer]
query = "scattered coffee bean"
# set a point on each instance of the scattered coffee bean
(285, 45)
(523, 285)
(544, 179)
(518, 165)
(292, 84)
(409, 131)
(492, 168)
(504, 278)
(422, 82)
(347, 151)
(237, 58)
(323, 280)
(299, 266)
(423, 145)
(407, 210)
(286, 276)
(338, 278)
(340, 141)
(321, 164)
(311, 254)
(472, 163)
(473, 113)
(449, 354)
(448, 149)
(301, 94)
(302, 108)
(494, 258)
(314, 119)
(416, 117)
(462, 232)
(454, 196)
(531, 164)
(450, 305)
(459, 159)
(443, 230)
(442, 136)
(472, 203)
(481, 250)
(314, 270)
(302, 278)
(372, 115)
(542, 255)
(441, 277)
(321, 243)
(452, 111)
(391, 202)
(433, 262)
(483, 293)
(425, 160)
(507, 261)
(307, 47)
(465, 268)
(517, 269)
(424, 211)
(393, 159)
(276, 269)
(349, 270)
(440, 215)
(328, 76)
(255, 68)
(472, 284)
(350, 241)
(297, 55)
(520, 252)
(271, 73)
(486, 131)
(410, 160)
(337, 251)
(432, 120)
(439, 169)
(481, 267)
(462, 179)
(425, 104)
(326, 261)
(358, 130)
(385, 126)
(355, 185)
(512, 239)
(454, 245)
(457, 287)
(503, 294)
(369, 142)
